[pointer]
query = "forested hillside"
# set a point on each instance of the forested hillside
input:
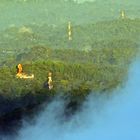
(26, 42)
(95, 59)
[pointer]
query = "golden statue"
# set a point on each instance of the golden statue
(50, 86)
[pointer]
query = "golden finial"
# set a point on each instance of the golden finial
(122, 14)
(69, 31)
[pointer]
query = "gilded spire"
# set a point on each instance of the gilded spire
(69, 31)
(122, 14)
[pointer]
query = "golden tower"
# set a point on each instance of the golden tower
(69, 31)
(122, 14)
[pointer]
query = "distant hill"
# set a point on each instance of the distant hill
(15, 41)
(83, 36)
(18, 12)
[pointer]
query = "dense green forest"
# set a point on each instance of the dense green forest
(96, 59)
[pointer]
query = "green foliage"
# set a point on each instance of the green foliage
(96, 59)
(74, 77)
